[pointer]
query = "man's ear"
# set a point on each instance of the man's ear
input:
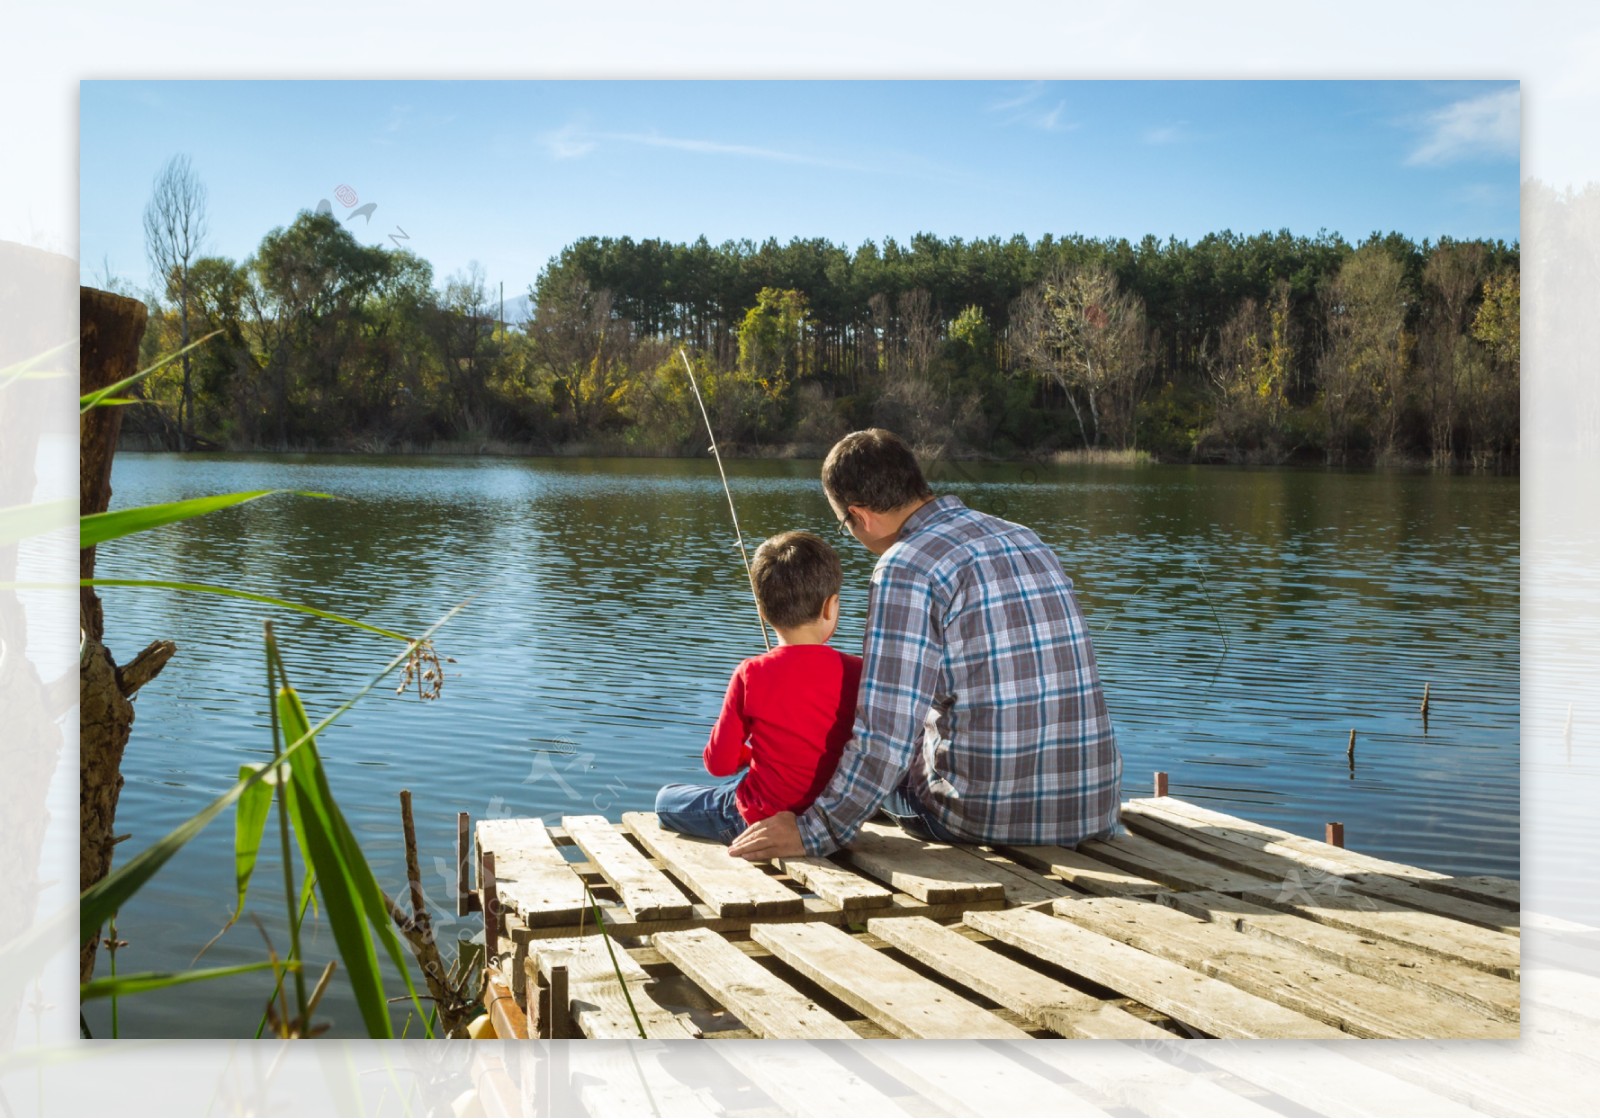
(866, 519)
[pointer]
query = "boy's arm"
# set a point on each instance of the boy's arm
(726, 752)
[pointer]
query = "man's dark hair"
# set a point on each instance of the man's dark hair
(874, 469)
(794, 573)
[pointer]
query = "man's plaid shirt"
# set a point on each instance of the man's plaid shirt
(979, 691)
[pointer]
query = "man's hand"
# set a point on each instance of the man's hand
(776, 837)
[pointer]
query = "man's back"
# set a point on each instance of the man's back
(1022, 747)
(979, 685)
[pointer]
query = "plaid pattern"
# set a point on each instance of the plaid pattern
(979, 691)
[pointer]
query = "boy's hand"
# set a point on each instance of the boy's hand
(776, 837)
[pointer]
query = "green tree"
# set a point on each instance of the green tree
(772, 338)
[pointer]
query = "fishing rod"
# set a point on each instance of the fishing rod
(716, 454)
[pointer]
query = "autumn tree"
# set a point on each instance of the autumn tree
(1249, 372)
(1080, 330)
(175, 227)
(1492, 397)
(1451, 278)
(1364, 368)
(583, 344)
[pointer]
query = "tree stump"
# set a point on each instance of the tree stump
(110, 329)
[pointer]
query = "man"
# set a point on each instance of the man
(980, 717)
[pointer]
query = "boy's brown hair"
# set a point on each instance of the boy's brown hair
(874, 469)
(794, 573)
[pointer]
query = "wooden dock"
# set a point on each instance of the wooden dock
(1195, 924)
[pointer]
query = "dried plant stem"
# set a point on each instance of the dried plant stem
(716, 454)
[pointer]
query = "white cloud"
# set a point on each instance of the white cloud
(1166, 134)
(570, 142)
(574, 141)
(1487, 125)
(1024, 109)
(1030, 93)
(717, 147)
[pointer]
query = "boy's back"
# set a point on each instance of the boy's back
(795, 705)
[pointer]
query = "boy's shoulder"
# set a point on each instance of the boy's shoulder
(796, 658)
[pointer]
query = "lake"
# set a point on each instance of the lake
(1245, 620)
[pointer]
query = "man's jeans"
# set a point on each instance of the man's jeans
(707, 811)
(904, 809)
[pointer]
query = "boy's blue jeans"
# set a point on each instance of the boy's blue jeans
(710, 812)
(707, 811)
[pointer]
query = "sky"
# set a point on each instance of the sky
(508, 173)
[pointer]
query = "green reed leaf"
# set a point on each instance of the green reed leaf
(139, 982)
(97, 528)
(230, 592)
(100, 396)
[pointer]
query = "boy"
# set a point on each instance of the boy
(788, 712)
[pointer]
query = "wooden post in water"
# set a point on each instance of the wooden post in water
(1161, 783)
(463, 866)
(1335, 834)
(491, 910)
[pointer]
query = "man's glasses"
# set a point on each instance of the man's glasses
(844, 525)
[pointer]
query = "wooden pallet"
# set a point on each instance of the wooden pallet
(1193, 924)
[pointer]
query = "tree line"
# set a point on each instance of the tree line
(1266, 348)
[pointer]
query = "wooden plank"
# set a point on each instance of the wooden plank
(1274, 840)
(836, 885)
(1326, 901)
(648, 894)
(1385, 960)
(888, 993)
(931, 872)
(1286, 868)
(1457, 908)
(597, 1004)
(532, 878)
(550, 997)
(1084, 872)
(1022, 885)
(1350, 1002)
(1490, 889)
(620, 924)
(510, 1023)
(1036, 997)
(753, 994)
(1164, 864)
(731, 886)
(1207, 1004)
(1205, 822)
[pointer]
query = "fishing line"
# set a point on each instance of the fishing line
(739, 536)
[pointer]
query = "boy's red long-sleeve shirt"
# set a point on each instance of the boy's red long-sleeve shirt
(787, 715)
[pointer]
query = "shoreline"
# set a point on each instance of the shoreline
(496, 448)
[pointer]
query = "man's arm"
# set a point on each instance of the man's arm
(899, 675)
